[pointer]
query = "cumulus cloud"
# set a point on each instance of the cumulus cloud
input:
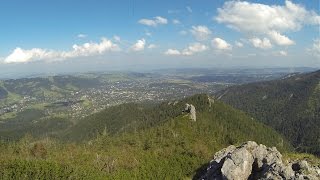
(315, 48)
(201, 33)
(176, 21)
(147, 22)
(269, 20)
(238, 44)
(20, 55)
(161, 20)
(281, 53)
(183, 32)
(261, 43)
(190, 50)
(148, 33)
(158, 20)
(81, 35)
(220, 44)
(255, 17)
(173, 11)
(139, 45)
(152, 46)
(194, 48)
(88, 49)
(116, 38)
(172, 52)
(280, 39)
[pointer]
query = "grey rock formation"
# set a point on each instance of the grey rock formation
(191, 110)
(252, 161)
(237, 165)
(211, 101)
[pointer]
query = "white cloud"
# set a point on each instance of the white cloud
(116, 38)
(148, 33)
(194, 48)
(315, 48)
(280, 39)
(152, 46)
(268, 20)
(158, 20)
(139, 45)
(190, 50)
(173, 11)
(201, 33)
(261, 43)
(20, 55)
(147, 22)
(88, 49)
(189, 9)
(161, 20)
(255, 17)
(176, 21)
(172, 52)
(81, 35)
(220, 44)
(23, 56)
(238, 44)
(281, 53)
(183, 32)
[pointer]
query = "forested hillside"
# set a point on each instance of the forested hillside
(132, 117)
(290, 105)
(163, 143)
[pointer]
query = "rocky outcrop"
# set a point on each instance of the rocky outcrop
(210, 100)
(191, 110)
(253, 161)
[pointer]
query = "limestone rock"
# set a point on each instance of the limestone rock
(211, 101)
(237, 165)
(191, 110)
(252, 161)
(214, 168)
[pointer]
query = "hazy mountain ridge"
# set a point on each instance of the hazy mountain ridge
(290, 105)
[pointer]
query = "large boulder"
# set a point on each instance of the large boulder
(237, 165)
(253, 161)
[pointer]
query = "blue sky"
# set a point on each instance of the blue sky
(154, 34)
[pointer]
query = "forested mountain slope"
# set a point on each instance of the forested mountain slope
(136, 117)
(132, 117)
(139, 142)
(290, 105)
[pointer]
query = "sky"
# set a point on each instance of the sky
(88, 35)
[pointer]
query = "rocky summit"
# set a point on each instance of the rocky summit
(252, 161)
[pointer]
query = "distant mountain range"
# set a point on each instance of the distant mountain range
(290, 105)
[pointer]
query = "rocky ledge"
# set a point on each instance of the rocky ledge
(253, 161)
